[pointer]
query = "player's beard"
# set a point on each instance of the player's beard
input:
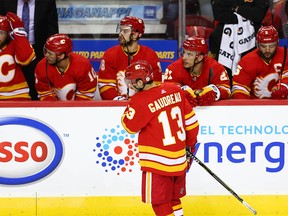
(123, 42)
(4, 43)
(267, 56)
(55, 61)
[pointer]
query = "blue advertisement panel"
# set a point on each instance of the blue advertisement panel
(108, 12)
(167, 50)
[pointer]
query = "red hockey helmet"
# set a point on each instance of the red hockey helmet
(135, 23)
(59, 43)
(4, 24)
(139, 70)
(197, 44)
(267, 34)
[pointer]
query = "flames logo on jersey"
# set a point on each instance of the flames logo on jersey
(116, 151)
(264, 86)
(67, 92)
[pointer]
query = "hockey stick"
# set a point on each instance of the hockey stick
(210, 76)
(222, 183)
(282, 68)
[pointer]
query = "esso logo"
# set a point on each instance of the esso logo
(29, 150)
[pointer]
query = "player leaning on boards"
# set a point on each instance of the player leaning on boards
(63, 75)
(263, 73)
(15, 51)
(167, 127)
(116, 59)
(202, 77)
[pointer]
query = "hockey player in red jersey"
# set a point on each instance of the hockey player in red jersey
(63, 75)
(15, 51)
(202, 76)
(117, 58)
(167, 127)
(261, 73)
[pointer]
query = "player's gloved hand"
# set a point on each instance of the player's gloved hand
(208, 95)
(120, 97)
(14, 20)
(190, 95)
(16, 24)
(281, 93)
(189, 151)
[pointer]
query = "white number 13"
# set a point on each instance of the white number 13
(164, 120)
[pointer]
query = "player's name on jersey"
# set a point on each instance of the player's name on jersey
(164, 101)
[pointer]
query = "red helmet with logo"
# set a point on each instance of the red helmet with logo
(197, 44)
(4, 24)
(135, 23)
(267, 34)
(139, 70)
(59, 43)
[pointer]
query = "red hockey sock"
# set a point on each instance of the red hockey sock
(164, 209)
(177, 207)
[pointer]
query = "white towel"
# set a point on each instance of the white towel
(236, 39)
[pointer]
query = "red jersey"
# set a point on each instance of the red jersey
(255, 78)
(212, 73)
(113, 65)
(13, 85)
(166, 124)
(78, 82)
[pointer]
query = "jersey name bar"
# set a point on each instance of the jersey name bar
(165, 101)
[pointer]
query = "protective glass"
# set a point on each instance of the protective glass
(130, 83)
(188, 53)
(47, 51)
(268, 45)
(123, 29)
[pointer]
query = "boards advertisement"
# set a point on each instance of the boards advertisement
(82, 151)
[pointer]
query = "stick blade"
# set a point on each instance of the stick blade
(249, 207)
